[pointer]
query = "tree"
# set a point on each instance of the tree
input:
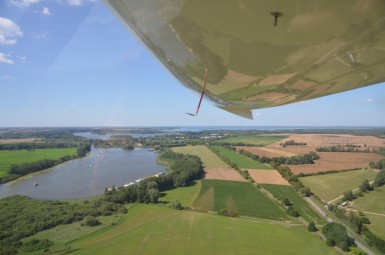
(286, 202)
(305, 192)
(176, 205)
(348, 196)
(380, 179)
(154, 195)
(91, 221)
(311, 227)
(365, 186)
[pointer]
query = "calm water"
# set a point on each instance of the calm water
(88, 176)
(90, 135)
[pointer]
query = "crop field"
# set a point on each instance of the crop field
(258, 140)
(333, 160)
(373, 205)
(267, 177)
(240, 197)
(208, 158)
(319, 140)
(242, 161)
(226, 174)
(185, 195)
(7, 158)
(331, 186)
(19, 140)
(148, 229)
(281, 192)
(266, 151)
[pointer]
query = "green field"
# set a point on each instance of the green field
(373, 202)
(281, 192)
(185, 195)
(149, 229)
(7, 158)
(331, 186)
(253, 140)
(241, 197)
(241, 161)
(208, 158)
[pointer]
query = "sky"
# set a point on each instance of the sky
(74, 63)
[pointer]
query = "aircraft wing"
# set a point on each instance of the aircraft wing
(263, 53)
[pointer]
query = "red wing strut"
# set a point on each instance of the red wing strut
(200, 100)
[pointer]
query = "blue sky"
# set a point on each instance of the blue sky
(73, 63)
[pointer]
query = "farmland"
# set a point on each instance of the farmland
(266, 151)
(373, 203)
(333, 185)
(149, 229)
(281, 192)
(185, 195)
(319, 140)
(208, 158)
(267, 177)
(241, 197)
(7, 158)
(258, 140)
(225, 174)
(241, 161)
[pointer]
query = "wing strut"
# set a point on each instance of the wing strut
(200, 100)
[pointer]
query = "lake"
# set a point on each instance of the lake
(88, 176)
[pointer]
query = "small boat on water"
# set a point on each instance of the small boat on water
(35, 184)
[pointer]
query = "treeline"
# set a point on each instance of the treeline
(287, 174)
(294, 160)
(17, 170)
(292, 142)
(340, 148)
(22, 216)
(358, 222)
(182, 171)
(377, 165)
(37, 145)
(336, 235)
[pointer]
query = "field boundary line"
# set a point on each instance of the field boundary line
(354, 210)
(354, 190)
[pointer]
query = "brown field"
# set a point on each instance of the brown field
(337, 161)
(267, 177)
(225, 174)
(266, 151)
(21, 140)
(318, 140)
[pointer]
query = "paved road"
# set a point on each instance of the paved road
(358, 243)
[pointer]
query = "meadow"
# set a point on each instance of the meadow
(149, 229)
(208, 158)
(259, 140)
(185, 195)
(330, 186)
(240, 197)
(7, 158)
(373, 202)
(241, 161)
(281, 192)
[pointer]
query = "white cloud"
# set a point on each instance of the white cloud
(8, 31)
(5, 59)
(8, 77)
(75, 2)
(79, 2)
(364, 101)
(45, 11)
(23, 3)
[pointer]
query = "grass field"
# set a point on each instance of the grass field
(253, 140)
(185, 195)
(281, 192)
(7, 158)
(373, 202)
(148, 229)
(241, 197)
(331, 186)
(208, 158)
(242, 161)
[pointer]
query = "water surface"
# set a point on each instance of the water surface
(87, 176)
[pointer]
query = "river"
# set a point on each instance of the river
(88, 176)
